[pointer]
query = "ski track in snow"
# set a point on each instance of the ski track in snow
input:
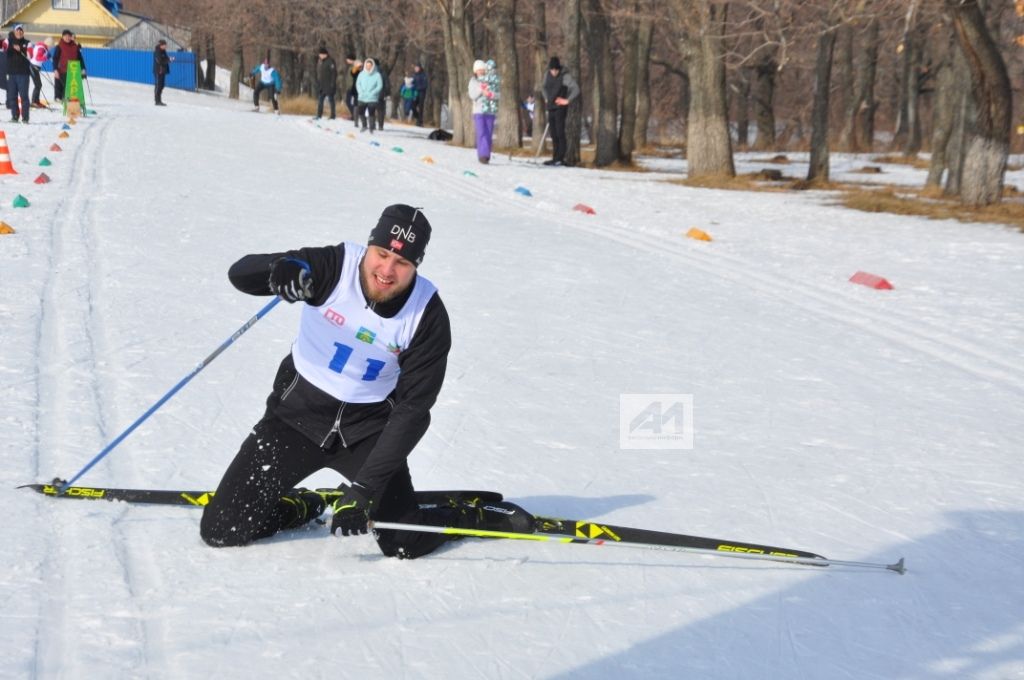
(976, 358)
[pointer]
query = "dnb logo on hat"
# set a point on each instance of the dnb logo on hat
(402, 229)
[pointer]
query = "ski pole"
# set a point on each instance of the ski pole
(152, 409)
(89, 87)
(898, 567)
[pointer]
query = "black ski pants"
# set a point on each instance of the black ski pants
(37, 83)
(367, 111)
(260, 86)
(158, 87)
(556, 125)
(320, 105)
(274, 458)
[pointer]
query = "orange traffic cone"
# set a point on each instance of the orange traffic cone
(6, 168)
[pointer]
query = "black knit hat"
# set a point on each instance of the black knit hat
(554, 64)
(403, 230)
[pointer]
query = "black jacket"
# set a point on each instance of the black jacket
(402, 418)
(419, 82)
(17, 59)
(563, 85)
(161, 61)
(327, 76)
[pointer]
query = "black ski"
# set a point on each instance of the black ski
(202, 498)
(608, 533)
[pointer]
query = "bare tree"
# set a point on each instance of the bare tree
(574, 116)
(605, 100)
(864, 84)
(709, 146)
(989, 144)
(540, 60)
(645, 39)
(818, 169)
(630, 68)
(947, 102)
(508, 133)
(459, 65)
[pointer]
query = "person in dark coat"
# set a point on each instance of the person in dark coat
(355, 66)
(18, 70)
(161, 67)
(560, 89)
(385, 92)
(327, 82)
(67, 50)
(419, 84)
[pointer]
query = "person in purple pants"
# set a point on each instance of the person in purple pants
(484, 90)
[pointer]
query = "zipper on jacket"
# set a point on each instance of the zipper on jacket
(336, 428)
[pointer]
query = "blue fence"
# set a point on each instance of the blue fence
(136, 66)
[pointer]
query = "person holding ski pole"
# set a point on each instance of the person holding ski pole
(353, 395)
(38, 53)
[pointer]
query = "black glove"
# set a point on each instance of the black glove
(352, 510)
(290, 280)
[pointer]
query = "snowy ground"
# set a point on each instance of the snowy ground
(859, 424)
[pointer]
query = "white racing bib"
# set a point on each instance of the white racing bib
(346, 349)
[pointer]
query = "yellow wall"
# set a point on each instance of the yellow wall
(90, 13)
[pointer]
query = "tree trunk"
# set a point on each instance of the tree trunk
(574, 116)
(913, 92)
(741, 95)
(210, 81)
(540, 68)
(605, 100)
(847, 105)
(237, 68)
(818, 169)
(866, 102)
(764, 107)
(507, 130)
(459, 62)
(709, 146)
(643, 81)
(195, 45)
(989, 142)
(964, 114)
(630, 66)
(944, 113)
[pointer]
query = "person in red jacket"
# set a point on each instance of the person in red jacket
(67, 50)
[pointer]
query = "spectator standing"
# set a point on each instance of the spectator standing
(560, 89)
(355, 67)
(382, 98)
(419, 84)
(368, 87)
(267, 78)
(161, 67)
(37, 56)
(18, 69)
(408, 93)
(67, 50)
(327, 82)
(483, 92)
(529, 106)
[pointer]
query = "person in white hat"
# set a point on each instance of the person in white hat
(483, 91)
